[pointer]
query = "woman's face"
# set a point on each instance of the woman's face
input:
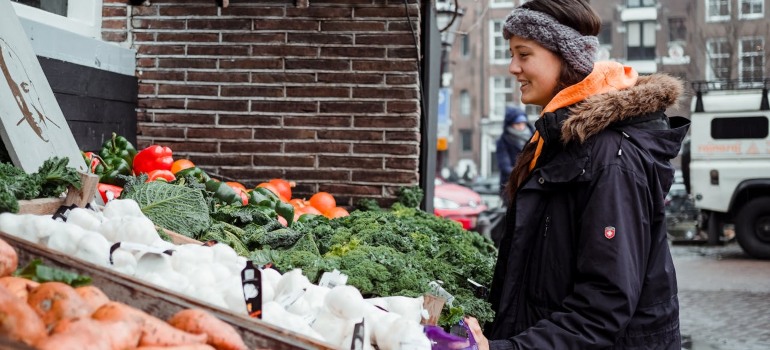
(536, 68)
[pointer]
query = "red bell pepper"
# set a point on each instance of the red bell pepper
(164, 175)
(152, 158)
(92, 160)
(108, 192)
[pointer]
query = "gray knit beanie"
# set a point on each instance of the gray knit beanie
(579, 51)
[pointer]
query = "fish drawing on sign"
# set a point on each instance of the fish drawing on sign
(24, 92)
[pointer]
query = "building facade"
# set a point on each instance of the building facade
(694, 40)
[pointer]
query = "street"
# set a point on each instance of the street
(724, 298)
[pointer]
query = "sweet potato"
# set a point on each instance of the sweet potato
(18, 321)
(76, 333)
(155, 332)
(221, 335)
(18, 286)
(9, 261)
(93, 296)
(55, 301)
(113, 335)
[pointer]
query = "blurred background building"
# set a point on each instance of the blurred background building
(695, 40)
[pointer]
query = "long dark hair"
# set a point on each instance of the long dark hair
(581, 17)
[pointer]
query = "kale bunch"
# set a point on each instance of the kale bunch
(396, 252)
(51, 180)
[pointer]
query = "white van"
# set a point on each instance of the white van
(729, 167)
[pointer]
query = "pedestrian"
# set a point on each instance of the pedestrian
(516, 134)
(584, 262)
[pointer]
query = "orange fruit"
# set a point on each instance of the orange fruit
(298, 203)
(181, 164)
(240, 189)
(283, 187)
(336, 212)
(323, 201)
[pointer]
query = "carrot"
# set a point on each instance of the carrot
(55, 301)
(114, 335)
(9, 261)
(93, 296)
(18, 321)
(221, 335)
(18, 286)
(155, 332)
(180, 347)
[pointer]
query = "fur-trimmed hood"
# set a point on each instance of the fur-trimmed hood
(653, 93)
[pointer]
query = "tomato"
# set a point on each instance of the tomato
(240, 189)
(283, 187)
(323, 201)
(181, 164)
(273, 189)
(160, 174)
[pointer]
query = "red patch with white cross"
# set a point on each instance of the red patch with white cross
(609, 232)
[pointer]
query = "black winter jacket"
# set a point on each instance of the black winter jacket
(585, 261)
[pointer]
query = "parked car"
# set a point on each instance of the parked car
(458, 203)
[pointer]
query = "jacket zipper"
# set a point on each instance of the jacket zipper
(547, 222)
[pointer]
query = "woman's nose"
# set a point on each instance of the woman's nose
(514, 67)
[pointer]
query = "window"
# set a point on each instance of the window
(532, 110)
(752, 8)
(640, 3)
(739, 128)
(501, 3)
(83, 17)
(718, 59)
(465, 103)
(500, 95)
(717, 10)
(58, 7)
(495, 168)
(677, 30)
(640, 40)
(501, 51)
(465, 45)
(752, 61)
(466, 140)
(605, 34)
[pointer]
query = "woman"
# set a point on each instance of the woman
(516, 133)
(585, 263)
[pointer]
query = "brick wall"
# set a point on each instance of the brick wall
(327, 96)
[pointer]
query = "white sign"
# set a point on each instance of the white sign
(33, 128)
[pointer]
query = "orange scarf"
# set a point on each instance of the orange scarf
(606, 76)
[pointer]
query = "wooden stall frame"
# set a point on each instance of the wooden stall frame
(161, 302)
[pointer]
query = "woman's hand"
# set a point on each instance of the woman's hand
(478, 334)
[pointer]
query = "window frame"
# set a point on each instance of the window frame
(496, 34)
(718, 18)
(84, 17)
(641, 3)
(710, 73)
(761, 14)
(465, 103)
(742, 54)
(501, 4)
(495, 91)
(465, 46)
(643, 50)
(466, 135)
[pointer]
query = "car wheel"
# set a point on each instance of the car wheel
(752, 226)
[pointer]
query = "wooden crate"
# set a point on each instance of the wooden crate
(161, 302)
